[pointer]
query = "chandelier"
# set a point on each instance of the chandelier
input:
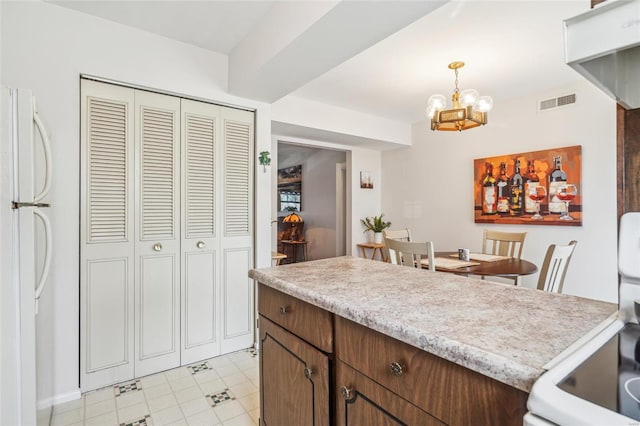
(468, 109)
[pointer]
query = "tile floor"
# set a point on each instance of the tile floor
(218, 391)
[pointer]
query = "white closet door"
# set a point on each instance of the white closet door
(200, 337)
(106, 235)
(157, 248)
(237, 232)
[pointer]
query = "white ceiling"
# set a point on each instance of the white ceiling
(511, 48)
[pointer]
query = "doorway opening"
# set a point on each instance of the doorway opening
(310, 202)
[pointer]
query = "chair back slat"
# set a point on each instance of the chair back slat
(410, 253)
(554, 267)
(397, 234)
(503, 243)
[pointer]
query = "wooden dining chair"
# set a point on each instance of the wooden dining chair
(398, 234)
(409, 253)
(554, 267)
(503, 243)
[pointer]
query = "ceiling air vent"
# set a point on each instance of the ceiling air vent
(560, 101)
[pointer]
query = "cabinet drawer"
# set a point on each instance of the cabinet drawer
(452, 393)
(362, 402)
(306, 321)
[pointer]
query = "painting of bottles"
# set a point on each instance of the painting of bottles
(534, 188)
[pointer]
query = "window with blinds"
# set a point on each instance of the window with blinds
(157, 170)
(107, 170)
(200, 175)
(236, 178)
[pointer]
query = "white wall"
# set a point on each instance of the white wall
(429, 186)
(46, 48)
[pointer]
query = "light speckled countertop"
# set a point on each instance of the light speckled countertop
(505, 332)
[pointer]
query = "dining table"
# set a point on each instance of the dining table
(483, 264)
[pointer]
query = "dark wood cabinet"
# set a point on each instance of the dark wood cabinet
(361, 402)
(294, 379)
(296, 339)
(374, 380)
(449, 392)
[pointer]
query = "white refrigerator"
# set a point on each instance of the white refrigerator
(25, 258)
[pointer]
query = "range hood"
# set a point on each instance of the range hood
(603, 45)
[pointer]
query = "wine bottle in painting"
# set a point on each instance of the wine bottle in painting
(557, 178)
(531, 180)
(516, 189)
(503, 190)
(489, 199)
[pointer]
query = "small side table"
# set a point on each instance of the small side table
(376, 248)
(294, 249)
(278, 257)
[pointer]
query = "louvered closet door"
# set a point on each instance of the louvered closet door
(157, 250)
(200, 294)
(237, 229)
(106, 235)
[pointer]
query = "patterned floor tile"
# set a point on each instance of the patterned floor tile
(208, 393)
(127, 387)
(143, 421)
(220, 397)
(195, 369)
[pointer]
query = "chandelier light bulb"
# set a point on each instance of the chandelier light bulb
(435, 103)
(484, 104)
(468, 97)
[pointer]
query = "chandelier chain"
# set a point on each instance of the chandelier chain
(456, 71)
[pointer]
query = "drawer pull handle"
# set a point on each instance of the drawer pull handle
(200, 244)
(396, 369)
(346, 393)
(307, 373)
(157, 247)
(283, 310)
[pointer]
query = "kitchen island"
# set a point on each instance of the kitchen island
(352, 310)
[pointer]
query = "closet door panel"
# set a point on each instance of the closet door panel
(201, 153)
(157, 313)
(237, 239)
(237, 294)
(106, 235)
(157, 306)
(200, 317)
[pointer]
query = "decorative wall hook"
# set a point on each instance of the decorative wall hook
(265, 160)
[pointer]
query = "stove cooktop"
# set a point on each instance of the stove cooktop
(610, 377)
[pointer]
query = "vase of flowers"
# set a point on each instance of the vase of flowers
(376, 225)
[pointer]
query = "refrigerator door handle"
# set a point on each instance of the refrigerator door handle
(47, 255)
(47, 154)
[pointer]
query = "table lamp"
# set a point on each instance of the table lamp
(295, 220)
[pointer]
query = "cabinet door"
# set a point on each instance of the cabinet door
(294, 379)
(200, 292)
(157, 251)
(361, 402)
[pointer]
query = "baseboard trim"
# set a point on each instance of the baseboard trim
(59, 399)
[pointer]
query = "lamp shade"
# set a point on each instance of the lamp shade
(292, 218)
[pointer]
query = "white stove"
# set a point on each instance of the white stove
(599, 382)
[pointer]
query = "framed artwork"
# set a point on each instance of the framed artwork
(366, 181)
(290, 189)
(532, 188)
